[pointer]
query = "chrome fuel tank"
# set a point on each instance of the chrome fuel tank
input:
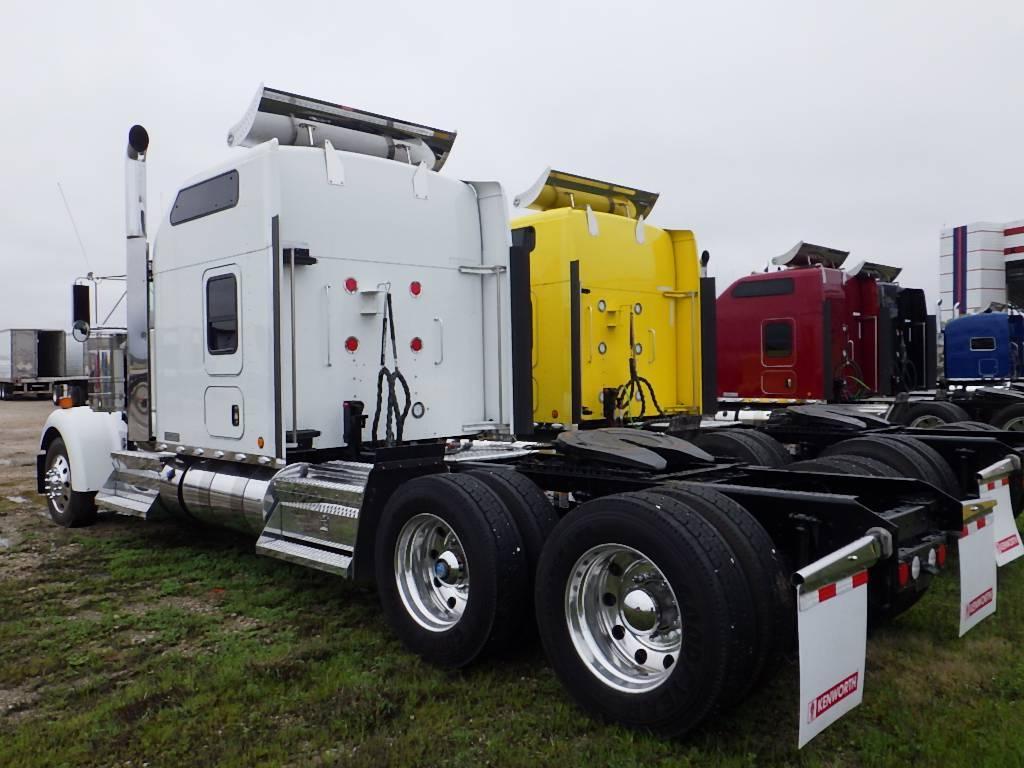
(218, 493)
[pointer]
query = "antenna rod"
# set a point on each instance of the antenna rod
(74, 226)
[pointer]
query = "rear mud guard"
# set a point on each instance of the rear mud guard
(977, 565)
(994, 484)
(832, 624)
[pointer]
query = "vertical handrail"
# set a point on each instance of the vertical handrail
(440, 340)
(327, 297)
(295, 393)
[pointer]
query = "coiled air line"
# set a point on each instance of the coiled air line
(635, 386)
(396, 415)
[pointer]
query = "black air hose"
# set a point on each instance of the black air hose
(635, 386)
(396, 414)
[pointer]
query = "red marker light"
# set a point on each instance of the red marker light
(554, 414)
(904, 574)
(416, 344)
(415, 288)
(940, 555)
(351, 344)
(351, 285)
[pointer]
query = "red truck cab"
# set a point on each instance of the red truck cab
(813, 331)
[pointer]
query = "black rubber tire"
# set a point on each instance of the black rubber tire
(746, 649)
(947, 477)
(1006, 415)
(498, 600)
(80, 506)
(845, 465)
(532, 511)
(973, 426)
(765, 573)
(893, 451)
(873, 467)
(829, 465)
(690, 554)
(777, 449)
(948, 413)
(736, 444)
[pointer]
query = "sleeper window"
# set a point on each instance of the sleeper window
(778, 339)
(222, 315)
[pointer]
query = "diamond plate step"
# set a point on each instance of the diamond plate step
(333, 561)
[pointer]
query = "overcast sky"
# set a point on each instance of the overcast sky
(866, 126)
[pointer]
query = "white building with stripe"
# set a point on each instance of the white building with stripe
(979, 264)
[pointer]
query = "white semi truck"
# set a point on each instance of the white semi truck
(320, 351)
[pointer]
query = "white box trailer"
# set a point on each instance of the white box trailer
(324, 323)
(34, 360)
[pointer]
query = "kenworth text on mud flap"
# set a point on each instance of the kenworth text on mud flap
(324, 323)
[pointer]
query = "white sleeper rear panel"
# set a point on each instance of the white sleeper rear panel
(384, 228)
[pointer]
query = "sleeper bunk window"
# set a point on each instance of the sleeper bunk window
(983, 344)
(222, 315)
(211, 196)
(778, 339)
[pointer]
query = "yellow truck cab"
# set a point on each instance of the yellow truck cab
(616, 311)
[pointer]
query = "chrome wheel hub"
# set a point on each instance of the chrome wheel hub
(623, 618)
(431, 572)
(1014, 425)
(927, 422)
(57, 483)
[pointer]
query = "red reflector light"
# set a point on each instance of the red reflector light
(415, 288)
(416, 344)
(351, 285)
(904, 574)
(351, 343)
(940, 555)
(554, 414)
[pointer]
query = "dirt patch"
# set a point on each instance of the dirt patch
(17, 703)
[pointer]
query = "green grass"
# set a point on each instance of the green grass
(135, 643)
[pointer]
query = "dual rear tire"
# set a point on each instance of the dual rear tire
(454, 562)
(655, 607)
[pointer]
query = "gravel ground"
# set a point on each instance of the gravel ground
(20, 506)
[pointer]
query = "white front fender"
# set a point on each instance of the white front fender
(90, 438)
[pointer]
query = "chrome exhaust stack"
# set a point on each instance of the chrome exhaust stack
(137, 287)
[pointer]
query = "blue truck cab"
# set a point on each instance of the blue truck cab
(985, 346)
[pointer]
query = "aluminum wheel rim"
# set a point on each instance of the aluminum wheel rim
(927, 422)
(1014, 425)
(623, 618)
(58, 483)
(431, 572)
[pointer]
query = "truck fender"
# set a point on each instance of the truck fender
(90, 438)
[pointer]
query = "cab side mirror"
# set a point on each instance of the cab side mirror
(80, 313)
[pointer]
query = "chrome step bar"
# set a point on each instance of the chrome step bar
(313, 514)
(332, 561)
(133, 487)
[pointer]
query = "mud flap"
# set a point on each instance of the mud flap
(832, 622)
(994, 484)
(977, 565)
